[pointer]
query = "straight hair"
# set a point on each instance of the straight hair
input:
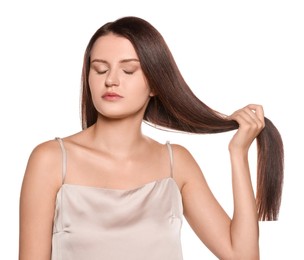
(182, 111)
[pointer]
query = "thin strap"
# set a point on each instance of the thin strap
(64, 158)
(171, 158)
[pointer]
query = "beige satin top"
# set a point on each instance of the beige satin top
(109, 224)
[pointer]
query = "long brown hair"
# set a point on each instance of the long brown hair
(182, 110)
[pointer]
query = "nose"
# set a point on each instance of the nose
(112, 79)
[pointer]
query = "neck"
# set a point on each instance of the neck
(117, 136)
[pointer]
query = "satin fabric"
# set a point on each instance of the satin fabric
(107, 224)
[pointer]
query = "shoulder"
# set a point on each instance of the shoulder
(46, 152)
(45, 163)
(182, 155)
(186, 169)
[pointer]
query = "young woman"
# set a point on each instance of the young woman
(109, 192)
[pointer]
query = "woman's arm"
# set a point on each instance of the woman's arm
(41, 182)
(235, 238)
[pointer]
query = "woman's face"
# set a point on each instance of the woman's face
(117, 83)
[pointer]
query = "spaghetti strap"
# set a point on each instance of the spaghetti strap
(171, 158)
(64, 158)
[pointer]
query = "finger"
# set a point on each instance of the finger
(247, 117)
(243, 117)
(250, 112)
(259, 112)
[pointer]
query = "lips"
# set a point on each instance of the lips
(111, 96)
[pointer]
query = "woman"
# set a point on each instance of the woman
(109, 192)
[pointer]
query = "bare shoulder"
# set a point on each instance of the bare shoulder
(182, 156)
(45, 153)
(46, 149)
(180, 150)
(44, 163)
(186, 169)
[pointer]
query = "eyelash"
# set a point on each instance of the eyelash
(126, 72)
(101, 72)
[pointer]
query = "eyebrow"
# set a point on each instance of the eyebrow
(121, 61)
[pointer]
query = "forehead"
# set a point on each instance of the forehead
(112, 46)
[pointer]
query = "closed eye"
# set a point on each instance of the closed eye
(128, 72)
(100, 72)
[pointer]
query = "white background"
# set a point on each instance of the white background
(231, 53)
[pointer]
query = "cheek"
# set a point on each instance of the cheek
(143, 87)
(142, 92)
(92, 81)
(94, 85)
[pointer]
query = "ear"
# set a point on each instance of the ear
(152, 94)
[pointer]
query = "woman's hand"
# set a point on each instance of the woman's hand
(251, 123)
